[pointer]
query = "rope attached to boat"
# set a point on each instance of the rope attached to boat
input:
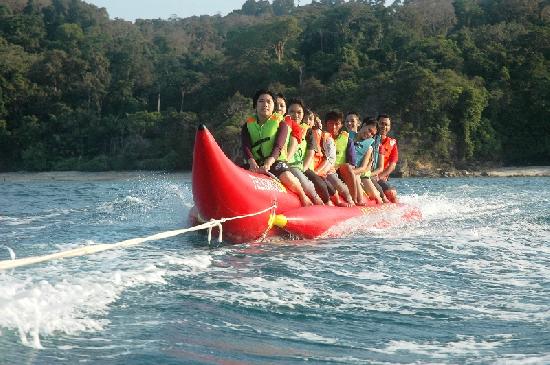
(88, 250)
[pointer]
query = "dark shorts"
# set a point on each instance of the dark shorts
(323, 188)
(340, 175)
(377, 186)
(278, 168)
(385, 185)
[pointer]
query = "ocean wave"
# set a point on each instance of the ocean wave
(127, 202)
(461, 346)
(68, 304)
(28, 219)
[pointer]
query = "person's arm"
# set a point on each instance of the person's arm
(246, 144)
(365, 166)
(380, 166)
(292, 146)
(311, 148)
(387, 171)
(329, 149)
(280, 141)
(350, 153)
(391, 166)
(295, 135)
(308, 159)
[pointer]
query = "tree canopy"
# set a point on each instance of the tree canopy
(465, 81)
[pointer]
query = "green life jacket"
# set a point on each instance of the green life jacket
(297, 160)
(341, 143)
(262, 137)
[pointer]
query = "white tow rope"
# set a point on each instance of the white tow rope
(88, 250)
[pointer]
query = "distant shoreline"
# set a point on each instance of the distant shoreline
(83, 175)
(531, 171)
(527, 171)
(518, 171)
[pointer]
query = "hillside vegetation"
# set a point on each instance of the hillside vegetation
(465, 81)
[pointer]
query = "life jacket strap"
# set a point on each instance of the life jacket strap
(260, 141)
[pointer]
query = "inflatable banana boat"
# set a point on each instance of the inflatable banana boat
(254, 206)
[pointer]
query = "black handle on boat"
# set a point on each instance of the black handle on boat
(201, 127)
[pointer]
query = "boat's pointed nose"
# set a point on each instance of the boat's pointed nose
(201, 127)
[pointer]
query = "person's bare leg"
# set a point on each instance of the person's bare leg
(291, 183)
(391, 195)
(360, 199)
(342, 191)
(339, 202)
(307, 186)
(349, 178)
(371, 190)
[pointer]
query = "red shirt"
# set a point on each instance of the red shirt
(388, 149)
(295, 130)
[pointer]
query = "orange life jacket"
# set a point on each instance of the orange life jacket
(319, 138)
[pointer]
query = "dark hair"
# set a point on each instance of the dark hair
(369, 121)
(298, 101)
(308, 111)
(334, 115)
(353, 113)
(280, 96)
(261, 92)
(381, 116)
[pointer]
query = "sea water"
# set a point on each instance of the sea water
(469, 283)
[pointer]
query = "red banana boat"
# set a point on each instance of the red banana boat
(224, 190)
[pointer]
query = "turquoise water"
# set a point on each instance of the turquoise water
(470, 283)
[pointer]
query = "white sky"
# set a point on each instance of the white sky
(153, 9)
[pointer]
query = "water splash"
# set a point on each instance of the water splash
(11, 252)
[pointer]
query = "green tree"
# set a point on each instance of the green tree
(472, 103)
(282, 7)
(468, 13)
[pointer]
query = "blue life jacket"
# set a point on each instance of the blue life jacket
(361, 149)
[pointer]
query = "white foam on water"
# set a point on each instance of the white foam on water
(184, 193)
(128, 202)
(134, 200)
(341, 359)
(18, 221)
(236, 327)
(429, 267)
(369, 224)
(514, 312)
(11, 252)
(70, 303)
(522, 359)
(394, 297)
(439, 215)
(462, 346)
(315, 338)
(439, 207)
(14, 221)
(259, 292)
(370, 275)
(194, 262)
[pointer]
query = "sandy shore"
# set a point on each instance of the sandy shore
(519, 171)
(523, 171)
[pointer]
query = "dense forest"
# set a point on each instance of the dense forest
(466, 82)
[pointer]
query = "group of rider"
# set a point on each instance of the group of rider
(342, 165)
